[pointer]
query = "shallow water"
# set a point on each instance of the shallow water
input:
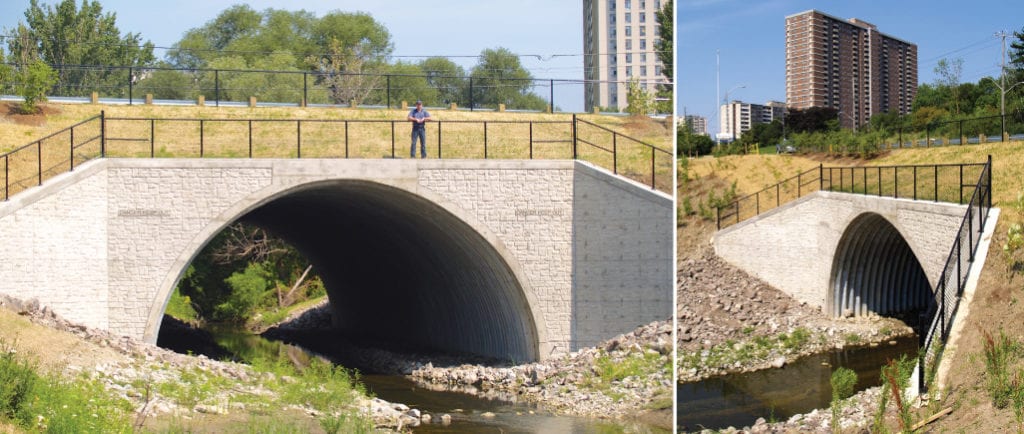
(738, 400)
(465, 409)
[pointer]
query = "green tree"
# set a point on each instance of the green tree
(32, 83)
(640, 101)
(448, 78)
(663, 46)
(244, 32)
(409, 84)
(66, 35)
(949, 73)
(499, 78)
(248, 289)
(690, 144)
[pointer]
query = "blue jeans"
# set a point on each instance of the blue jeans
(422, 134)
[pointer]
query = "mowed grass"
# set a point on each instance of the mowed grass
(291, 132)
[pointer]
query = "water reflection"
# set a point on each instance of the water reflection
(466, 410)
(739, 400)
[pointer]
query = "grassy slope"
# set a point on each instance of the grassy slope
(996, 304)
(462, 139)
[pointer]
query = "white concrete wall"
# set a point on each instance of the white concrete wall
(623, 234)
(104, 245)
(53, 241)
(792, 247)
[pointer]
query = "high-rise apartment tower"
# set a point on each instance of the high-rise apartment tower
(849, 66)
(618, 45)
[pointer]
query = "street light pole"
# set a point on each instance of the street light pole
(728, 108)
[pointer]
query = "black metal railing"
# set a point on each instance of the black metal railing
(950, 286)
(934, 182)
(44, 158)
(102, 136)
(277, 87)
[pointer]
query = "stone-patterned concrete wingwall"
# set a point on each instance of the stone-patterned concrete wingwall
(53, 241)
(622, 255)
(792, 247)
(530, 208)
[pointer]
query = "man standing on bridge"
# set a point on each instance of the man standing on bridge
(419, 117)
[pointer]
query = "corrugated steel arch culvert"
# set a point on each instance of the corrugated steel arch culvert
(875, 270)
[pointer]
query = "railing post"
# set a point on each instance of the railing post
(201, 122)
(718, 217)
(346, 139)
(652, 168)
(39, 160)
(915, 182)
(72, 150)
(936, 180)
(821, 176)
(152, 138)
(7, 177)
(970, 232)
(574, 136)
(799, 185)
(778, 192)
(989, 164)
(103, 134)
(393, 142)
(298, 139)
(250, 137)
(485, 140)
(895, 182)
(531, 140)
(615, 154)
(131, 84)
(961, 184)
(439, 140)
(757, 203)
(552, 96)
(216, 87)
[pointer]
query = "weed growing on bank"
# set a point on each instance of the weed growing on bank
(50, 403)
(639, 365)
(843, 381)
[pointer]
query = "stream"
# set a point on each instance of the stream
(466, 410)
(738, 400)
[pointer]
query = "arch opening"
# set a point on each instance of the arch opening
(875, 270)
(403, 272)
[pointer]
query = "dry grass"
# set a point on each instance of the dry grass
(997, 303)
(226, 132)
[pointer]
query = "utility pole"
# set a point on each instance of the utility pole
(1002, 87)
(718, 88)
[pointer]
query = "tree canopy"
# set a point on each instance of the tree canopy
(68, 35)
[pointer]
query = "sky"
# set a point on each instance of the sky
(750, 37)
(549, 29)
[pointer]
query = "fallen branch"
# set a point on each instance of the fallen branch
(931, 419)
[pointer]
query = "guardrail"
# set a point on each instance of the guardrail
(950, 286)
(935, 182)
(103, 137)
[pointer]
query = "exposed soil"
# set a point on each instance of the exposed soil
(11, 111)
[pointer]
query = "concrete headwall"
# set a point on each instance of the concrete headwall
(588, 254)
(792, 247)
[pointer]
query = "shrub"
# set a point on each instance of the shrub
(33, 82)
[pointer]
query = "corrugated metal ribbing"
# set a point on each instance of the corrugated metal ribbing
(876, 271)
